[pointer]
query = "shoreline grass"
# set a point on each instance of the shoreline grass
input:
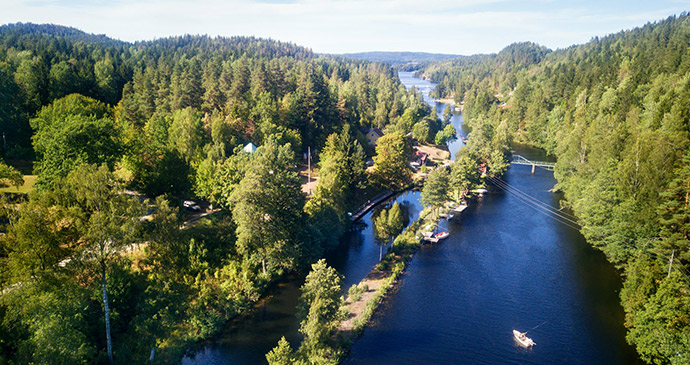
(366, 296)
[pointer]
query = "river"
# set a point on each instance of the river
(425, 87)
(505, 266)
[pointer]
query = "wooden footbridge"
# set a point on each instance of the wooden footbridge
(361, 211)
(520, 160)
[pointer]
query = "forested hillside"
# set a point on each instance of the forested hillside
(400, 58)
(97, 265)
(616, 114)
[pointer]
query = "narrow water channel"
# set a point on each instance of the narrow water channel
(247, 339)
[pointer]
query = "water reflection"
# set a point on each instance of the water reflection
(505, 266)
(249, 338)
(425, 87)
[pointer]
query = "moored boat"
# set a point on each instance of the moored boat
(441, 235)
(522, 339)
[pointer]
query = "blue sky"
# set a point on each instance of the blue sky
(340, 26)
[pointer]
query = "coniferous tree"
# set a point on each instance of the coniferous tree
(318, 309)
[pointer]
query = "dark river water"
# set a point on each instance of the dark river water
(505, 266)
(246, 340)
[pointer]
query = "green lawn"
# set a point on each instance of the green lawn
(29, 181)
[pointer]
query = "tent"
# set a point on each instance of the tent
(249, 148)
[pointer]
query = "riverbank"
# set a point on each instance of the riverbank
(504, 267)
(247, 338)
(364, 298)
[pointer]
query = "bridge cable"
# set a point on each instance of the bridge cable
(533, 201)
(562, 217)
(542, 208)
(536, 205)
(558, 217)
(560, 212)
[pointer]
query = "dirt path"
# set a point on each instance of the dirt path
(195, 218)
(307, 187)
(356, 309)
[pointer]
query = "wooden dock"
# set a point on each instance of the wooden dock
(366, 208)
(452, 211)
(459, 209)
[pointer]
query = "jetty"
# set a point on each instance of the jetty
(451, 211)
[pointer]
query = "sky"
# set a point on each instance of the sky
(343, 26)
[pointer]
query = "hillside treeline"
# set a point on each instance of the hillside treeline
(97, 263)
(615, 113)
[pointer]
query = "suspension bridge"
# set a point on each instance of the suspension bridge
(521, 160)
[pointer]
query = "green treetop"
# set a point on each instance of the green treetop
(391, 168)
(268, 209)
(72, 131)
(674, 212)
(387, 224)
(464, 175)
(435, 190)
(318, 308)
(341, 172)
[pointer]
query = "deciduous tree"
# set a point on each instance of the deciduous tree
(268, 209)
(391, 168)
(71, 131)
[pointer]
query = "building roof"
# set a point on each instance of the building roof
(249, 148)
(375, 130)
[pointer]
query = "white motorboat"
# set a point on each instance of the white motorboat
(522, 339)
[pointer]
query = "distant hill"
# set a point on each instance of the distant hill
(53, 30)
(397, 58)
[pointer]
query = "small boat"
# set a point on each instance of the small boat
(441, 235)
(522, 339)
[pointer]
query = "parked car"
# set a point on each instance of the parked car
(191, 205)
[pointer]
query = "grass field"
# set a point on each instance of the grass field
(29, 181)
